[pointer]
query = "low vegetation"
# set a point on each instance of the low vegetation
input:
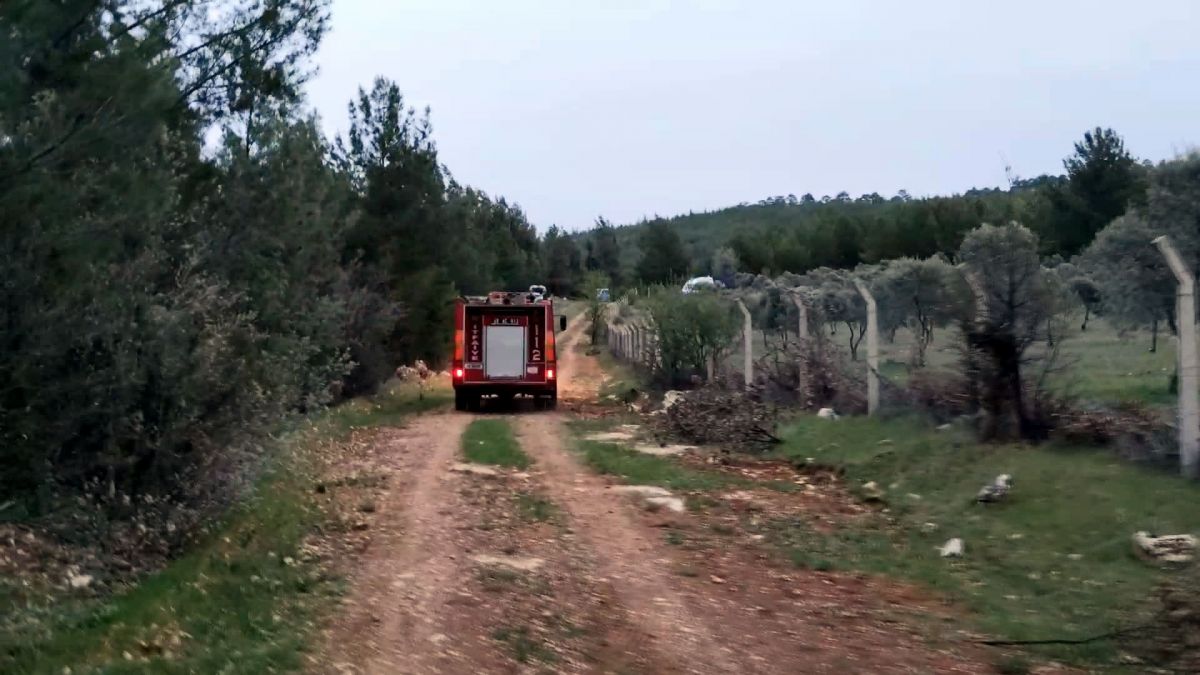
(640, 469)
(1053, 561)
(244, 600)
(491, 441)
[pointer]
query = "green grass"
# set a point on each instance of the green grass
(242, 601)
(491, 441)
(641, 469)
(621, 378)
(1055, 561)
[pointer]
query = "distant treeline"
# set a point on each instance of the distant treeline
(797, 234)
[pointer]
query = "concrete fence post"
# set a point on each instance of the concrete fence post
(1189, 395)
(652, 346)
(872, 348)
(647, 344)
(802, 310)
(747, 345)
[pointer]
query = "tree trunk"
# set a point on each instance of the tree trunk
(1154, 336)
(1087, 313)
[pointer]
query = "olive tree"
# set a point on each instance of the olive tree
(1082, 287)
(1019, 307)
(918, 294)
(835, 300)
(1136, 288)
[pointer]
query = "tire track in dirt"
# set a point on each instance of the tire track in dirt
(678, 633)
(392, 614)
(754, 617)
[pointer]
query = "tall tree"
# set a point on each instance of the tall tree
(604, 251)
(1103, 180)
(663, 256)
(392, 160)
(562, 262)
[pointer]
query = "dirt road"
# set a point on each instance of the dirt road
(550, 570)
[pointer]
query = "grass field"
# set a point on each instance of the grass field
(243, 601)
(1053, 562)
(636, 468)
(491, 441)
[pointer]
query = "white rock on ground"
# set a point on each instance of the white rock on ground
(609, 436)
(1170, 548)
(669, 400)
(511, 562)
(996, 491)
(872, 491)
(663, 450)
(476, 469)
(952, 549)
(652, 496)
(827, 414)
(642, 490)
(670, 503)
(78, 581)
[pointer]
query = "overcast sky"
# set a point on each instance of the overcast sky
(631, 108)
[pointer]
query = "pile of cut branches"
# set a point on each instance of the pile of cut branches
(1136, 431)
(733, 420)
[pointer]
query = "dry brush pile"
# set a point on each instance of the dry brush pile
(733, 420)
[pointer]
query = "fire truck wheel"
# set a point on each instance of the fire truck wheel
(462, 401)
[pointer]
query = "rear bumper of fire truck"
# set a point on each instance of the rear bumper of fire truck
(507, 388)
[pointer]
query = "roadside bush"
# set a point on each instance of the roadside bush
(692, 330)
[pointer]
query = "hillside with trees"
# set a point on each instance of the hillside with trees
(1101, 180)
(169, 299)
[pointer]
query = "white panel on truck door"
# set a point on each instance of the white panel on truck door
(504, 351)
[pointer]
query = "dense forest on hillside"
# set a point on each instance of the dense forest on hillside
(797, 234)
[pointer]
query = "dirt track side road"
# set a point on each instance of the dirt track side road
(550, 570)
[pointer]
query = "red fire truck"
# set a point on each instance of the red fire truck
(504, 347)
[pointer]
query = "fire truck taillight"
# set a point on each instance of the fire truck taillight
(458, 373)
(549, 373)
